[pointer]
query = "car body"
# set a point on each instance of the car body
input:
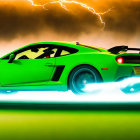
(31, 69)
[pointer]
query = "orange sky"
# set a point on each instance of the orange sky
(21, 23)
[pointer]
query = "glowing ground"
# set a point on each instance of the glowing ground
(45, 115)
(112, 95)
(70, 125)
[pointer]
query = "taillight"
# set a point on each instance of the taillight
(119, 60)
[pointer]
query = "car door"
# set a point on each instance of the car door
(28, 67)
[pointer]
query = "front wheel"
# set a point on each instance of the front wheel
(82, 76)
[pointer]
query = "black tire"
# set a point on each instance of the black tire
(81, 76)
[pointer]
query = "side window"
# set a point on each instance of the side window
(54, 50)
(67, 51)
(48, 53)
(32, 53)
(42, 51)
(35, 52)
(64, 52)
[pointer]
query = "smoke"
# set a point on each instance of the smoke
(21, 23)
(14, 22)
(124, 18)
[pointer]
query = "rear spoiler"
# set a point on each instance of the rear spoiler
(117, 49)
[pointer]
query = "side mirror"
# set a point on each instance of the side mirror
(12, 57)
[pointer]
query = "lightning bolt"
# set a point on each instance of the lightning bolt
(63, 2)
(37, 5)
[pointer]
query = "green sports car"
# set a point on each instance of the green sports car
(61, 66)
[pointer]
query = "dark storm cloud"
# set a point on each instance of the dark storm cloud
(14, 22)
(124, 18)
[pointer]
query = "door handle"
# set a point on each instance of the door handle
(48, 64)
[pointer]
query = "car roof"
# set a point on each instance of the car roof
(75, 45)
(54, 42)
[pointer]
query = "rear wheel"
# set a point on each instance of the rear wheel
(81, 76)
